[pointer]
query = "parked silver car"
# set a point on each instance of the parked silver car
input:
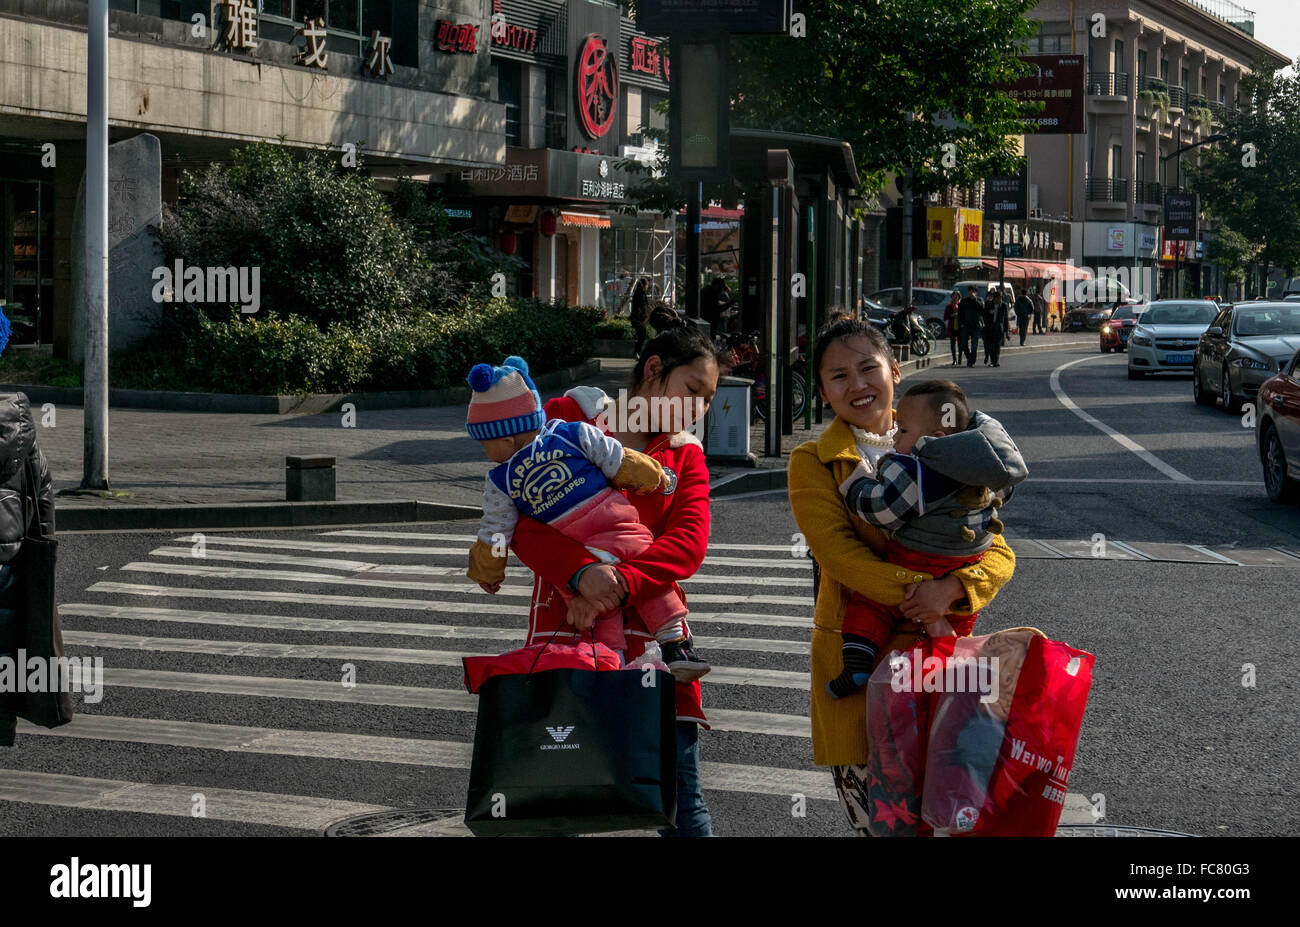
(929, 301)
(1245, 345)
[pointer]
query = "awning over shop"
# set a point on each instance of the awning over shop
(718, 214)
(1038, 270)
(584, 220)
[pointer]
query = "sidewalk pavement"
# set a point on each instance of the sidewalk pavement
(216, 459)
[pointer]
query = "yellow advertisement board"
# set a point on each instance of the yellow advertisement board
(953, 232)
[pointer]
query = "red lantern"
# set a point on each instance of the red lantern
(547, 224)
(509, 243)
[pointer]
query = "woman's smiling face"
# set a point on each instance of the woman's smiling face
(857, 381)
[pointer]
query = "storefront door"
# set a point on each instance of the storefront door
(27, 259)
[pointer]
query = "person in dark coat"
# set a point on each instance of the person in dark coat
(950, 324)
(17, 447)
(1040, 314)
(995, 325)
(970, 318)
(714, 300)
(1024, 312)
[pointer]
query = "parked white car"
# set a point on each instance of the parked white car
(1166, 336)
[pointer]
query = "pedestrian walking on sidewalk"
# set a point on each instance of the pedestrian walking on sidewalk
(1024, 312)
(970, 318)
(856, 376)
(995, 324)
(950, 324)
(678, 364)
(1040, 314)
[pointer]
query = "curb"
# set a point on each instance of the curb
(256, 515)
(313, 404)
(763, 479)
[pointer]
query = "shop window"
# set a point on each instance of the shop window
(27, 262)
(557, 111)
(509, 88)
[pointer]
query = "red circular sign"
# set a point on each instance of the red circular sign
(597, 80)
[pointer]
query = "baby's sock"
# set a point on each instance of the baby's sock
(673, 631)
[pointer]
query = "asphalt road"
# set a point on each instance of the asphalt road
(225, 696)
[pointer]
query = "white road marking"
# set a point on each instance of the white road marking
(1084, 481)
(302, 812)
(213, 552)
(724, 777)
(308, 598)
(726, 675)
(327, 626)
(1123, 441)
(466, 588)
(721, 719)
(468, 539)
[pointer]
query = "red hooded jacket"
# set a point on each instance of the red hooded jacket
(679, 522)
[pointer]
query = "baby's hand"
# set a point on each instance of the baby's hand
(860, 472)
(582, 613)
(490, 588)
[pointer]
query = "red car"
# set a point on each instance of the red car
(1116, 329)
(1277, 432)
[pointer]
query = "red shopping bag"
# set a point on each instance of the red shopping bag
(999, 757)
(538, 658)
(899, 707)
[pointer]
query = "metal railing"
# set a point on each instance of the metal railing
(1107, 190)
(1107, 84)
(1149, 192)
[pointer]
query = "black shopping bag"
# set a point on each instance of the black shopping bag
(42, 637)
(570, 751)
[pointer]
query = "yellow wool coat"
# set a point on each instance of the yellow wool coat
(843, 544)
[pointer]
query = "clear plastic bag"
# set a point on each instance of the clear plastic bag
(652, 656)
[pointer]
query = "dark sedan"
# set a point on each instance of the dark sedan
(1245, 345)
(1277, 433)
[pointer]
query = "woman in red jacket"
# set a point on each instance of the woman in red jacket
(679, 364)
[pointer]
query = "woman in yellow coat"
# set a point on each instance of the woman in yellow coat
(856, 374)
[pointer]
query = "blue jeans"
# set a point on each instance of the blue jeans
(693, 818)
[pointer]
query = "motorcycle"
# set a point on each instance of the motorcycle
(902, 326)
(748, 361)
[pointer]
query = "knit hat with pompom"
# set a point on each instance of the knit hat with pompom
(505, 401)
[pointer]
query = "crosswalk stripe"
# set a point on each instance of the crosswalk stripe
(216, 541)
(308, 598)
(468, 539)
(326, 625)
(721, 719)
(289, 576)
(370, 748)
(302, 812)
(287, 622)
(728, 675)
(211, 552)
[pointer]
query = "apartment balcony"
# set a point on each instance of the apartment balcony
(1107, 84)
(1149, 193)
(1107, 190)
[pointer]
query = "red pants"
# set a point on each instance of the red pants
(878, 623)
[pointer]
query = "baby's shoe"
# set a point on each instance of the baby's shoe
(682, 660)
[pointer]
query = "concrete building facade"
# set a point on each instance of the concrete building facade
(1111, 180)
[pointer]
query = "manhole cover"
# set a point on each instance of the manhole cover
(1105, 830)
(415, 822)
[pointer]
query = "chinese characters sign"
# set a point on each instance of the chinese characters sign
(313, 30)
(508, 173)
(241, 25)
(953, 232)
(379, 61)
(1057, 81)
(456, 39)
(647, 59)
(597, 86)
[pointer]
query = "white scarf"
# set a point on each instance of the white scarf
(871, 447)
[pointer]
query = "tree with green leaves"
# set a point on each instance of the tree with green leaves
(899, 80)
(1252, 180)
(1232, 252)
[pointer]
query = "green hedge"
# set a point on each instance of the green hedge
(383, 351)
(615, 329)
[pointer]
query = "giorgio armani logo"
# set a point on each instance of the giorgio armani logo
(560, 734)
